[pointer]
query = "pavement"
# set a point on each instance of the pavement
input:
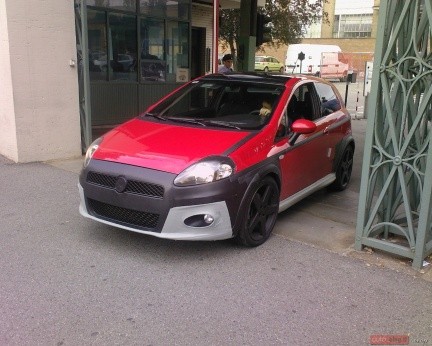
(325, 220)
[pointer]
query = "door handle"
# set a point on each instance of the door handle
(326, 130)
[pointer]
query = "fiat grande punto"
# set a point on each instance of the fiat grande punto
(219, 158)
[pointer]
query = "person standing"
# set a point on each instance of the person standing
(227, 63)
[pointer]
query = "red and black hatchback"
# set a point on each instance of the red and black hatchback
(220, 157)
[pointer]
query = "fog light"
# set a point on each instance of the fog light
(202, 220)
(208, 219)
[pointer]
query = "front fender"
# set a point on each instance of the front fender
(252, 178)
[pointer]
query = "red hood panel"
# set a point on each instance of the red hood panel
(164, 147)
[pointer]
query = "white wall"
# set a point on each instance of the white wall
(8, 144)
(41, 118)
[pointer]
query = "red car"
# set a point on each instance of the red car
(219, 158)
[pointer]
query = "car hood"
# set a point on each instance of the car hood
(165, 147)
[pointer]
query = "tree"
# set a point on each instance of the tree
(229, 27)
(289, 18)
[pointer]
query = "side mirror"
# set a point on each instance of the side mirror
(301, 127)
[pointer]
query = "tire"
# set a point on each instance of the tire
(260, 213)
(281, 70)
(266, 69)
(344, 169)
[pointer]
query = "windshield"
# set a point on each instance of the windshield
(223, 104)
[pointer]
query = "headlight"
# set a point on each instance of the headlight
(205, 172)
(91, 150)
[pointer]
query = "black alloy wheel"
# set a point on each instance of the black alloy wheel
(261, 213)
(343, 172)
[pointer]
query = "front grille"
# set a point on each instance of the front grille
(123, 215)
(133, 186)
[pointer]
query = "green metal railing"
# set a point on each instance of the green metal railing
(396, 189)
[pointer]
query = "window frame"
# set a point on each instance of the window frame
(139, 17)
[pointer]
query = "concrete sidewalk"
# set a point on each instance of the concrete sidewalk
(325, 219)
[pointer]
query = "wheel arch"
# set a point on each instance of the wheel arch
(340, 148)
(253, 178)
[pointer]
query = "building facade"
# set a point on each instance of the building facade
(39, 113)
(133, 52)
(350, 25)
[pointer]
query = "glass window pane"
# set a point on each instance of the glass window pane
(177, 48)
(152, 50)
(329, 101)
(125, 5)
(123, 52)
(166, 8)
(97, 45)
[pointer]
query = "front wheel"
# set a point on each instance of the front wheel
(262, 206)
(266, 69)
(344, 169)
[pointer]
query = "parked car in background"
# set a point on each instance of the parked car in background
(121, 63)
(268, 63)
(321, 60)
(335, 66)
(219, 158)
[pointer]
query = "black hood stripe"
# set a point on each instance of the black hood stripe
(237, 145)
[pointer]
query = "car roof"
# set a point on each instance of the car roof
(261, 77)
(281, 79)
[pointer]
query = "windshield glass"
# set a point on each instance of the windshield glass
(223, 104)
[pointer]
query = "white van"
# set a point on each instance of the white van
(319, 60)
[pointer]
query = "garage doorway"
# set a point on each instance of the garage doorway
(198, 52)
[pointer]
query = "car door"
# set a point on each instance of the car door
(332, 115)
(273, 65)
(306, 161)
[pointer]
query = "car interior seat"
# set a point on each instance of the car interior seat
(304, 108)
(234, 103)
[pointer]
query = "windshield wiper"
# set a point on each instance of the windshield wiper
(222, 124)
(153, 115)
(185, 120)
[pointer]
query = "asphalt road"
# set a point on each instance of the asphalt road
(65, 280)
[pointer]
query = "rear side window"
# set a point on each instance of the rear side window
(329, 101)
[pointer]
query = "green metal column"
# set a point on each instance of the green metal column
(396, 188)
(83, 73)
(247, 39)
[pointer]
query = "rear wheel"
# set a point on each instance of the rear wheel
(343, 171)
(281, 70)
(262, 206)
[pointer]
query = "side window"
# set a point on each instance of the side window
(329, 102)
(301, 105)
